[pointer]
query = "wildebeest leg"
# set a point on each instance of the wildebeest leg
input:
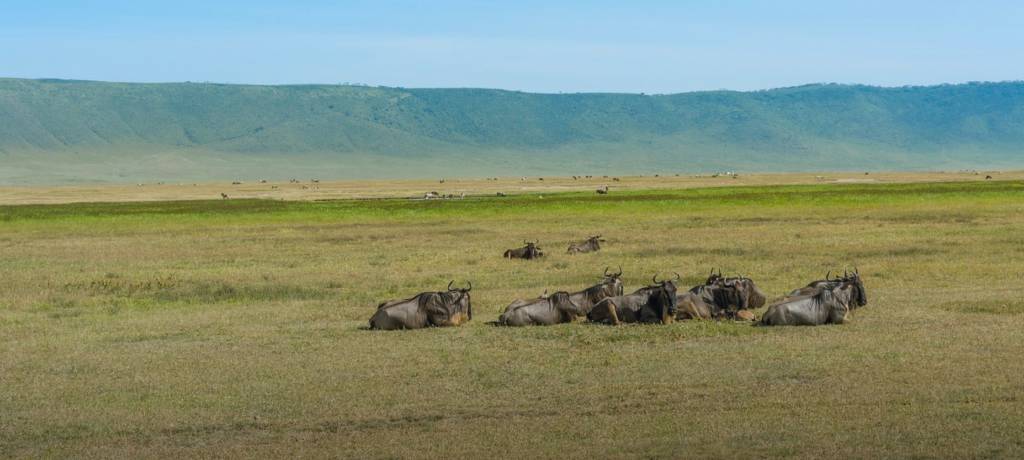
(613, 314)
(838, 315)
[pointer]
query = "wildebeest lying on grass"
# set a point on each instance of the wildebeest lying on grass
(551, 309)
(591, 244)
(828, 305)
(561, 307)
(711, 300)
(722, 297)
(428, 309)
(530, 251)
(859, 298)
(651, 304)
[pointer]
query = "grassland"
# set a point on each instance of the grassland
(233, 328)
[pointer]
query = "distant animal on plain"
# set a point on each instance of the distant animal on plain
(531, 251)
(223, 196)
(602, 190)
(988, 177)
(591, 244)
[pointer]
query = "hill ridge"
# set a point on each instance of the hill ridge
(57, 131)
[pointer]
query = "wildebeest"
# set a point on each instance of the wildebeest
(710, 300)
(530, 251)
(591, 244)
(544, 310)
(749, 295)
(858, 299)
(561, 307)
(651, 304)
(828, 305)
(603, 190)
(428, 309)
(610, 286)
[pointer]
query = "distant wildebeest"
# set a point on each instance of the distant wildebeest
(236, 183)
(315, 181)
(651, 304)
(828, 305)
(223, 196)
(859, 298)
(530, 251)
(500, 194)
(591, 244)
(263, 181)
(603, 190)
(988, 177)
(431, 196)
(616, 179)
(428, 309)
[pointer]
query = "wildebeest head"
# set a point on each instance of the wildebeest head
(664, 298)
(859, 297)
(612, 283)
(459, 299)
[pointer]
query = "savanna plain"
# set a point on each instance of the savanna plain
(237, 328)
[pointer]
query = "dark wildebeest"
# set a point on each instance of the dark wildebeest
(223, 196)
(561, 307)
(591, 244)
(530, 251)
(859, 298)
(428, 309)
(651, 304)
(603, 190)
(828, 305)
(750, 296)
(710, 300)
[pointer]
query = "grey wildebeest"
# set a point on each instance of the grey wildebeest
(530, 251)
(591, 244)
(428, 309)
(603, 190)
(828, 305)
(556, 308)
(561, 307)
(859, 297)
(710, 300)
(651, 304)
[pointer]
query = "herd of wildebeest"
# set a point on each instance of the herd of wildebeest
(824, 301)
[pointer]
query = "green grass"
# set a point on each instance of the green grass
(235, 328)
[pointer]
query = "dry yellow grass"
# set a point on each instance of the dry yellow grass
(234, 328)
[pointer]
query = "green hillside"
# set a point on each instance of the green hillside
(55, 131)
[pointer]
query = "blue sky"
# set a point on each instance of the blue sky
(545, 46)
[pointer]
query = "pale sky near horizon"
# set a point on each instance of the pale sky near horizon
(543, 46)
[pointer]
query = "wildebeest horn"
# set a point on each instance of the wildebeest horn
(620, 271)
(606, 271)
(654, 279)
(712, 272)
(470, 283)
(450, 283)
(677, 276)
(827, 275)
(856, 271)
